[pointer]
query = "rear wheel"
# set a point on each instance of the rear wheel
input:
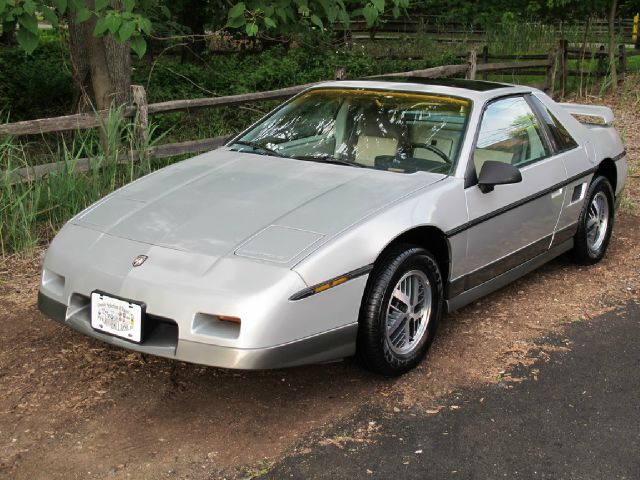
(595, 223)
(400, 311)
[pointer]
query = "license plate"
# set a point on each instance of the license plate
(117, 317)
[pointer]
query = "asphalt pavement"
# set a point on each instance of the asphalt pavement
(575, 415)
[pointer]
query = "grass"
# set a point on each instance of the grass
(31, 212)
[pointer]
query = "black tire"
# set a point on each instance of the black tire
(373, 348)
(582, 252)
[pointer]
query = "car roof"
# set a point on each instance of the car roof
(475, 90)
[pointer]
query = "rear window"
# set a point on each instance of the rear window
(562, 138)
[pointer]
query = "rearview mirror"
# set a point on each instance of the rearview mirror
(495, 173)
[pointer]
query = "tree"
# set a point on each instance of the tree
(101, 32)
(281, 15)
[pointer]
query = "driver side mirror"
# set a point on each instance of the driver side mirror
(495, 173)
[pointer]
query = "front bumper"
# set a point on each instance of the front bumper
(164, 342)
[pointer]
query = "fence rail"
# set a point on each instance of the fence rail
(551, 66)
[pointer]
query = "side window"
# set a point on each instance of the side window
(509, 133)
(561, 136)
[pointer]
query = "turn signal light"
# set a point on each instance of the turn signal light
(225, 318)
(324, 286)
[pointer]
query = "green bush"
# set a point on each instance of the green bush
(37, 85)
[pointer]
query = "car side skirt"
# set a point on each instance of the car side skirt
(507, 277)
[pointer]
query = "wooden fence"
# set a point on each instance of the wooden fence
(551, 66)
(434, 28)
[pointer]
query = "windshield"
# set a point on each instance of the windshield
(401, 132)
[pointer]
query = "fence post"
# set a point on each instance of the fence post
(139, 99)
(340, 73)
(485, 59)
(472, 64)
(564, 56)
(550, 81)
(601, 66)
(623, 61)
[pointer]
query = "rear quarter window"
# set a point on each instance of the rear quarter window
(561, 136)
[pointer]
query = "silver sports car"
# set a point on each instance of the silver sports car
(346, 221)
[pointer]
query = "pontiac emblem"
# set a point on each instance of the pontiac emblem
(139, 260)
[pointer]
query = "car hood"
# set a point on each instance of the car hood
(257, 206)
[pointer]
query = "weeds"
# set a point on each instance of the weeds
(32, 211)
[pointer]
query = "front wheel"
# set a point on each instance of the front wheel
(595, 223)
(400, 311)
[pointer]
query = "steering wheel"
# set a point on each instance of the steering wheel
(433, 149)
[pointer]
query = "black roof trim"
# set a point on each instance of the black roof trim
(477, 85)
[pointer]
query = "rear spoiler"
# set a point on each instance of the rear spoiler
(590, 114)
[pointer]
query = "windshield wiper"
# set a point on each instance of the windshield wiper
(328, 159)
(258, 146)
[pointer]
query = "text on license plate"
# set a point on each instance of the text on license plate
(116, 317)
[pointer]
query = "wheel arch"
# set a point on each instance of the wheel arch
(607, 168)
(428, 237)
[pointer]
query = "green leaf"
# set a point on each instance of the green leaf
(236, 22)
(27, 40)
(113, 23)
(282, 13)
(145, 25)
(396, 12)
(252, 29)
(138, 45)
(29, 22)
(379, 4)
(50, 17)
(315, 19)
(237, 10)
(61, 5)
(126, 30)
(165, 11)
(370, 14)
(82, 15)
(269, 23)
(101, 4)
(29, 6)
(129, 5)
(101, 27)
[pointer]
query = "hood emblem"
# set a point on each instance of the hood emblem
(139, 260)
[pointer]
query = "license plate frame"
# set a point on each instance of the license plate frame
(111, 313)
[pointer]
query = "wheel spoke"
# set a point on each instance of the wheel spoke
(408, 312)
(403, 298)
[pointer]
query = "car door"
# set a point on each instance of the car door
(515, 222)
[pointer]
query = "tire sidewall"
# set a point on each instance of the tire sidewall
(599, 184)
(381, 357)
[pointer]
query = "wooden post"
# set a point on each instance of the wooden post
(564, 56)
(472, 64)
(340, 73)
(139, 99)
(485, 59)
(550, 81)
(623, 62)
(601, 62)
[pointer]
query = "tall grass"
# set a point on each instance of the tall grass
(32, 211)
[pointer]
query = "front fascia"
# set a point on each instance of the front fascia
(178, 285)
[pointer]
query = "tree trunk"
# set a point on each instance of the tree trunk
(101, 66)
(583, 51)
(612, 44)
